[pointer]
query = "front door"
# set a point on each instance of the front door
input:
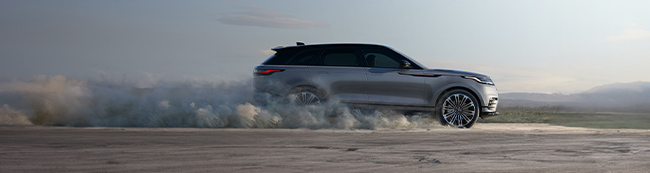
(389, 84)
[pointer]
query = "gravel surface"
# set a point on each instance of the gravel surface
(485, 148)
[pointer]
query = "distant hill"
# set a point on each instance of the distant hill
(629, 97)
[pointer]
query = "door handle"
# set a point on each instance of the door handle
(419, 74)
(323, 72)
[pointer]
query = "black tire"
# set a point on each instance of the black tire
(458, 108)
(306, 96)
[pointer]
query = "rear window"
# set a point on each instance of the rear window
(304, 58)
(293, 58)
(340, 57)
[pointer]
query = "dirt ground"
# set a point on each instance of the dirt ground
(484, 148)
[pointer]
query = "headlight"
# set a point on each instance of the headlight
(483, 80)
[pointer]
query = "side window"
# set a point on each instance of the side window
(304, 58)
(340, 57)
(380, 60)
(376, 57)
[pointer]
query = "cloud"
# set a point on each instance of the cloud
(631, 34)
(262, 17)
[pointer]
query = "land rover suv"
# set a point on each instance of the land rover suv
(376, 76)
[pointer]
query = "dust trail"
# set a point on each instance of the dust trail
(59, 101)
(9, 116)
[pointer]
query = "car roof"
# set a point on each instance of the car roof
(327, 45)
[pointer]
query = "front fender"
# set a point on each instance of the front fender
(443, 84)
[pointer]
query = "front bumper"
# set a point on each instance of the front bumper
(491, 108)
(488, 114)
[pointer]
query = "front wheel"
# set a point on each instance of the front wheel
(458, 108)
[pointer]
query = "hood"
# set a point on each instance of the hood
(453, 72)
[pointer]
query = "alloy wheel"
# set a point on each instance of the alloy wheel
(458, 110)
(306, 98)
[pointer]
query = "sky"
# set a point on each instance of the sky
(525, 46)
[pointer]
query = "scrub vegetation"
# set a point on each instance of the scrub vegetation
(565, 116)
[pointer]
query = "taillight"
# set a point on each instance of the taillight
(266, 72)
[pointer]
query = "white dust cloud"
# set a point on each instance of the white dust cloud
(9, 116)
(59, 101)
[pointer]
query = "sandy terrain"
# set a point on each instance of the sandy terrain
(485, 148)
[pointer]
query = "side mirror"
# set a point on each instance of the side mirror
(404, 64)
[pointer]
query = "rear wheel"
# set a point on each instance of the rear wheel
(458, 108)
(305, 96)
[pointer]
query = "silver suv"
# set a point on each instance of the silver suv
(375, 76)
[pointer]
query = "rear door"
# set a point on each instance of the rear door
(389, 84)
(341, 73)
